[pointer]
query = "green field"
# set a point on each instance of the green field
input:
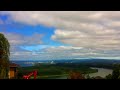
(53, 71)
(52, 77)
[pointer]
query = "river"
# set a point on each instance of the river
(101, 72)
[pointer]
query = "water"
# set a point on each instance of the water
(101, 72)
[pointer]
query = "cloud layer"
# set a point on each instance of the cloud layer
(97, 32)
(18, 39)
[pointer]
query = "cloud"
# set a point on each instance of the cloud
(97, 32)
(18, 39)
(61, 52)
(98, 29)
(1, 22)
(48, 53)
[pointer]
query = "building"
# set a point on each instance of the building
(13, 70)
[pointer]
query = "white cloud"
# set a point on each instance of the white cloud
(61, 52)
(17, 39)
(95, 30)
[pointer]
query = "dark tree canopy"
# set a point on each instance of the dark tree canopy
(4, 57)
(116, 72)
(75, 75)
(109, 76)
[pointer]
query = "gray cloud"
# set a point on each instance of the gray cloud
(99, 29)
(17, 39)
(62, 52)
(95, 31)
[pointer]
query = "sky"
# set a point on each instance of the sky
(56, 35)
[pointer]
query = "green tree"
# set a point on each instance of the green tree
(4, 57)
(116, 72)
(109, 76)
(88, 77)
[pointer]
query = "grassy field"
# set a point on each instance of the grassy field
(52, 71)
(64, 76)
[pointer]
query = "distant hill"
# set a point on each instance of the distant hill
(94, 62)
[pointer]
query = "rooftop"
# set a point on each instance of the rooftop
(13, 65)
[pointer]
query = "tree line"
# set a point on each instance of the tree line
(4, 57)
